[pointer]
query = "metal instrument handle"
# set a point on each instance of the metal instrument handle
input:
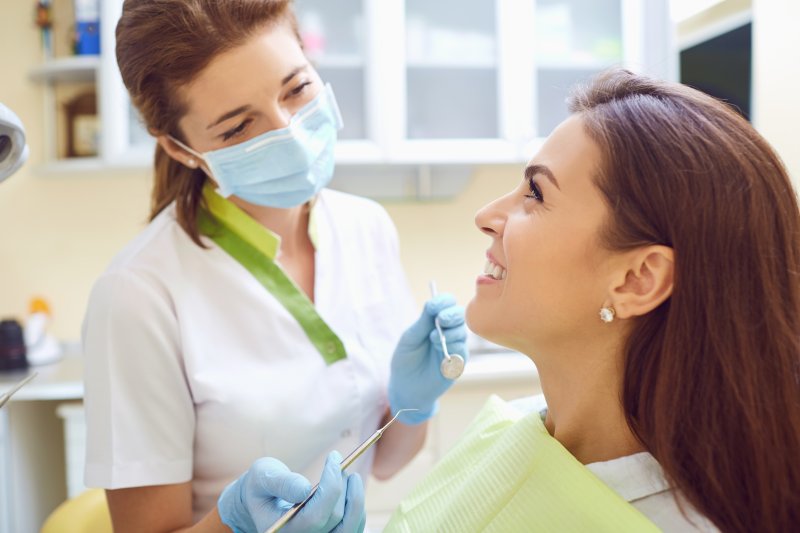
(347, 461)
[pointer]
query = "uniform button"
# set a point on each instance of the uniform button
(345, 433)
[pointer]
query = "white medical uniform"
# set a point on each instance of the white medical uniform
(194, 369)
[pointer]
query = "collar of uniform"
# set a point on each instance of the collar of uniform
(633, 477)
(241, 223)
(313, 233)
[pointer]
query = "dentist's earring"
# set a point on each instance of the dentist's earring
(191, 162)
(607, 314)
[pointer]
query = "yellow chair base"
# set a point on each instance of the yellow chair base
(85, 513)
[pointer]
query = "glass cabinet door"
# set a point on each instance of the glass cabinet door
(451, 70)
(333, 36)
(140, 139)
(573, 40)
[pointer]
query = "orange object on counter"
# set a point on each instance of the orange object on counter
(39, 305)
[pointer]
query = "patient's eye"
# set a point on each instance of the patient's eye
(536, 192)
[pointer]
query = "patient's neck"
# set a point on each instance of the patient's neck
(584, 408)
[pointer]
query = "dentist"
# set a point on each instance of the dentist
(257, 323)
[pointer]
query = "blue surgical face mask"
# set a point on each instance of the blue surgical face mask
(284, 167)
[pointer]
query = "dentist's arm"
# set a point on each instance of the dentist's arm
(250, 504)
(416, 381)
(160, 509)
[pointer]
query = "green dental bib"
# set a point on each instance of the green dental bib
(507, 474)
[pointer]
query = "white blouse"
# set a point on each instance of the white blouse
(194, 370)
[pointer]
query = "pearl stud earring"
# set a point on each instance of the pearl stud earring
(191, 162)
(607, 314)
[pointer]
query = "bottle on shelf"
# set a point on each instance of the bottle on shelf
(42, 347)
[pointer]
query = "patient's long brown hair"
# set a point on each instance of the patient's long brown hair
(163, 45)
(712, 376)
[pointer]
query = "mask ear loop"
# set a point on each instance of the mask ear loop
(192, 162)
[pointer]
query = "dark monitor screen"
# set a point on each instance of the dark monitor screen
(721, 67)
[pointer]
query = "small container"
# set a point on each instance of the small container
(87, 27)
(12, 346)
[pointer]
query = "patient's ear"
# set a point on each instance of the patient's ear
(647, 281)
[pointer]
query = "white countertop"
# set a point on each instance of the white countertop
(63, 380)
(502, 366)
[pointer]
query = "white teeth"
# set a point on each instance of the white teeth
(493, 270)
(498, 271)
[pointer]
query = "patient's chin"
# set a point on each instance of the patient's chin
(482, 323)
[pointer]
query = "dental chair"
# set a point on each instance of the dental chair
(85, 513)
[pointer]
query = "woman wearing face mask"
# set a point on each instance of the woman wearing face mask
(650, 266)
(248, 331)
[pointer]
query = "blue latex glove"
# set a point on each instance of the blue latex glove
(416, 381)
(260, 496)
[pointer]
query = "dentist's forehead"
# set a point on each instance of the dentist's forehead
(256, 71)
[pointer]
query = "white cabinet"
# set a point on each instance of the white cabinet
(123, 141)
(429, 83)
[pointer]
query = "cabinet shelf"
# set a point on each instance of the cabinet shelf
(73, 165)
(574, 64)
(339, 61)
(467, 64)
(70, 69)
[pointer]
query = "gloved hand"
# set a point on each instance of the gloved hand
(416, 381)
(260, 496)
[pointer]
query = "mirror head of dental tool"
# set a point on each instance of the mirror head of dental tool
(452, 366)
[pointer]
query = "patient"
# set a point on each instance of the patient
(649, 264)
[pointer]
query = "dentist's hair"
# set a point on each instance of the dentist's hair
(165, 44)
(712, 376)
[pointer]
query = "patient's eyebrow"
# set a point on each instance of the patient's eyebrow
(533, 170)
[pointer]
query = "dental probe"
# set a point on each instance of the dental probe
(347, 461)
(7, 396)
(453, 364)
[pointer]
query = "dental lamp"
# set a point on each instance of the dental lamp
(13, 150)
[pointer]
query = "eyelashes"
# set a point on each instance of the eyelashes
(300, 88)
(238, 130)
(535, 191)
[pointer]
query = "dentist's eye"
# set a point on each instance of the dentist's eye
(536, 192)
(236, 131)
(300, 89)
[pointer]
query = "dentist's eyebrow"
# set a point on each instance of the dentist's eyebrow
(295, 71)
(229, 115)
(239, 110)
(533, 170)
